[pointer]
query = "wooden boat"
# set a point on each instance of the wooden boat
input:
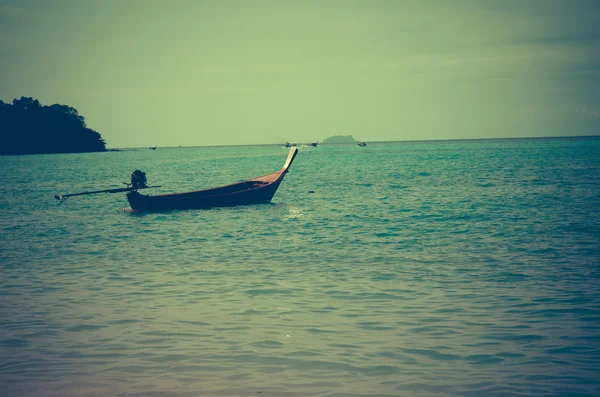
(252, 191)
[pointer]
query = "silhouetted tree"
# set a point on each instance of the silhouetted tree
(26, 127)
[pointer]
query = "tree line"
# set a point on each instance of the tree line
(27, 127)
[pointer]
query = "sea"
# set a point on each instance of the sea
(440, 268)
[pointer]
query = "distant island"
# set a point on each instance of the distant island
(26, 127)
(339, 139)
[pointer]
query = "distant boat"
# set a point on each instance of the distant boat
(152, 148)
(362, 144)
(252, 191)
(288, 145)
(312, 144)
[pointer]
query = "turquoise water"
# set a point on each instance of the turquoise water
(414, 269)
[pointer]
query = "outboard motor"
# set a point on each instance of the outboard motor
(138, 180)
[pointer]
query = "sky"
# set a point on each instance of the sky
(236, 72)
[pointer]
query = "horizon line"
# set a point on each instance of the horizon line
(560, 137)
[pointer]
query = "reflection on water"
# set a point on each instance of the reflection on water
(294, 213)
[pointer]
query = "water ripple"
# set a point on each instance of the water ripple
(422, 269)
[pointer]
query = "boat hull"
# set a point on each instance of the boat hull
(258, 190)
(202, 200)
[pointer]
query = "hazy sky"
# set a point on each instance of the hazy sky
(222, 72)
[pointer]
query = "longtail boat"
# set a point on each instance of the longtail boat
(252, 191)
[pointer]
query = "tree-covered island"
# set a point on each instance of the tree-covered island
(26, 127)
